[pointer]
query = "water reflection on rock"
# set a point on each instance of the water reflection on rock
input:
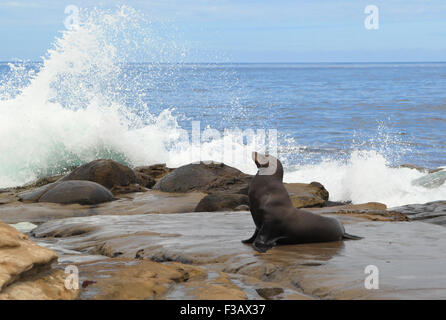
(409, 255)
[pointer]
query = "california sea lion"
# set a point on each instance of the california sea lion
(277, 220)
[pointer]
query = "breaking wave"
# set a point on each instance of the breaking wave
(79, 104)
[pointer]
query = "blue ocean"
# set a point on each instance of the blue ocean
(349, 126)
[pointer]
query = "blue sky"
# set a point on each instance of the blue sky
(255, 31)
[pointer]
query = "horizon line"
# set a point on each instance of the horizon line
(252, 62)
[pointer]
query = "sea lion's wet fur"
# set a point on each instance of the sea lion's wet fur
(277, 220)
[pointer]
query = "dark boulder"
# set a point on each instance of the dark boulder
(35, 194)
(214, 177)
(217, 179)
(155, 171)
(145, 180)
(106, 172)
(233, 184)
(221, 202)
(68, 192)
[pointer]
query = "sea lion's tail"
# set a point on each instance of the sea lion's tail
(351, 237)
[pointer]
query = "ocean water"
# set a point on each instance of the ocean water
(348, 126)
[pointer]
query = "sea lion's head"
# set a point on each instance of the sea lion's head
(267, 164)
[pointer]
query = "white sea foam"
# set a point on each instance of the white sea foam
(367, 176)
(73, 111)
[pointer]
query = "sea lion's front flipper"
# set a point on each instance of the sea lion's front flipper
(264, 240)
(263, 246)
(254, 236)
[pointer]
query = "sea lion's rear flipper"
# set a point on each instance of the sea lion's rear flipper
(351, 237)
(254, 236)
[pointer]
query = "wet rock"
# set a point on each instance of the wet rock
(25, 269)
(268, 293)
(156, 171)
(305, 195)
(86, 283)
(367, 206)
(151, 201)
(68, 192)
(432, 212)
(82, 192)
(188, 272)
(126, 279)
(221, 202)
(35, 194)
(410, 255)
(220, 288)
(166, 257)
(205, 177)
(24, 226)
(48, 285)
(418, 168)
(373, 211)
(336, 203)
(121, 279)
(145, 180)
(230, 184)
(106, 172)
(8, 197)
(128, 189)
(432, 180)
(242, 207)
(220, 178)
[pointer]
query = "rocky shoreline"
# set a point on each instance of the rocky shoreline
(154, 232)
